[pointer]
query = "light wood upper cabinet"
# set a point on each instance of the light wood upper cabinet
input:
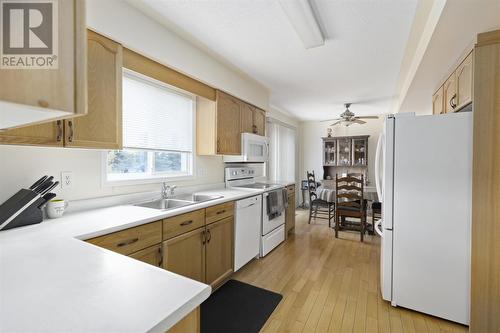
(437, 102)
(54, 89)
(259, 122)
(228, 124)
(219, 251)
(219, 124)
(450, 94)
(185, 254)
(49, 134)
(247, 118)
(102, 126)
(464, 77)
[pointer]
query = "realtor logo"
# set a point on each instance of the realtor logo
(29, 34)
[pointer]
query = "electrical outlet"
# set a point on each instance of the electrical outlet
(66, 179)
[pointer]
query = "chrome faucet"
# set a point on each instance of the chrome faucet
(167, 190)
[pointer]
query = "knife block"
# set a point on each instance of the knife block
(17, 205)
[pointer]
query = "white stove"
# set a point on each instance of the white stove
(272, 221)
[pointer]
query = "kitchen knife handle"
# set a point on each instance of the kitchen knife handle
(127, 242)
(71, 132)
(59, 131)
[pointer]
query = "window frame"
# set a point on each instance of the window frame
(154, 177)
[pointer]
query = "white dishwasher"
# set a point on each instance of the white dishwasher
(247, 230)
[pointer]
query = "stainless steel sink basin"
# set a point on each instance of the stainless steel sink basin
(198, 197)
(164, 204)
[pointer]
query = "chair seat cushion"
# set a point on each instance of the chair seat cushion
(377, 205)
(325, 194)
(347, 208)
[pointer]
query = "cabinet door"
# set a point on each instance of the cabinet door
(450, 94)
(185, 254)
(259, 122)
(290, 213)
(188, 324)
(228, 124)
(247, 114)
(102, 126)
(437, 101)
(49, 134)
(151, 255)
(219, 253)
(62, 88)
(464, 74)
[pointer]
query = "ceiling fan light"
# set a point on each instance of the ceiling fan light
(304, 22)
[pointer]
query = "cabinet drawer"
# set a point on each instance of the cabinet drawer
(218, 212)
(290, 189)
(180, 224)
(130, 240)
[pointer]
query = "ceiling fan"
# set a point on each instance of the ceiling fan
(348, 117)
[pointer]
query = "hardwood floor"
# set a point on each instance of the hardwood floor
(332, 285)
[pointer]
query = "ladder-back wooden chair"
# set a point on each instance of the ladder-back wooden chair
(321, 202)
(350, 203)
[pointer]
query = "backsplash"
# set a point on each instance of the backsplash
(21, 166)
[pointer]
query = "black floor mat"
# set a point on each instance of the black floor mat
(237, 307)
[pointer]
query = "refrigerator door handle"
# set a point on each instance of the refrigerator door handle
(377, 167)
(378, 228)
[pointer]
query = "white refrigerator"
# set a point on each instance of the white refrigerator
(424, 181)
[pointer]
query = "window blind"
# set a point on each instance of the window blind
(282, 146)
(155, 116)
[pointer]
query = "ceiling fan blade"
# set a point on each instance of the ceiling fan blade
(336, 123)
(324, 121)
(357, 121)
(368, 117)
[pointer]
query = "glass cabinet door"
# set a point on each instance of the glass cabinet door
(344, 152)
(359, 152)
(329, 152)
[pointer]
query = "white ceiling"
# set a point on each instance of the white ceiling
(359, 63)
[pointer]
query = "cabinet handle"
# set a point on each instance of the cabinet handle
(203, 237)
(71, 132)
(59, 131)
(186, 223)
(209, 236)
(254, 129)
(43, 103)
(160, 252)
(221, 212)
(218, 145)
(453, 104)
(127, 242)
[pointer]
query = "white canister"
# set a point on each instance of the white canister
(55, 208)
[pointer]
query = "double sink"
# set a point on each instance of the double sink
(179, 201)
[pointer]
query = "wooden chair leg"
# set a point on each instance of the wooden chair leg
(337, 225)
(363, 221)
(329, 217)
(310, 212)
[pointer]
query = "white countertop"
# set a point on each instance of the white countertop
(52, 281)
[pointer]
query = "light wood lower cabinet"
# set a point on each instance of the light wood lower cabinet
(189, 324)
(219, 251)
(290, 211)
(151, 255)
(185, 254)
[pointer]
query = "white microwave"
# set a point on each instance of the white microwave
(254, 148)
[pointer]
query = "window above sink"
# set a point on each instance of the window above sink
(158, 133)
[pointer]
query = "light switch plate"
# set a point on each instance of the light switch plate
(66, 179)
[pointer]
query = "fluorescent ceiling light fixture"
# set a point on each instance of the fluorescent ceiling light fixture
(303, 20)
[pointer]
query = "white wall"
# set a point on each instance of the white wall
(21, 166)
(310, 134)
(127, 25)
